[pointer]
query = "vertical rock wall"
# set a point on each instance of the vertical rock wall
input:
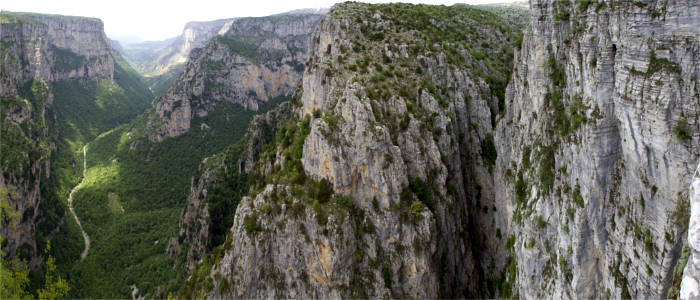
(255, 60)
(597, 146)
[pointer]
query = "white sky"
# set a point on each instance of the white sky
(150, 20)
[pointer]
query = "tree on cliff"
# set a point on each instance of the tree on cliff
(14, 277)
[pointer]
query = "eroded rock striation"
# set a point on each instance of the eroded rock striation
(597, 146)
(254, 60)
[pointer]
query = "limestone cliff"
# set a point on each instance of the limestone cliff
(597, 146)
(254, 60)
(24, 163)
(52, 48)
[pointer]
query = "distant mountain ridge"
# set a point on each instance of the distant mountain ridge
(157, 57)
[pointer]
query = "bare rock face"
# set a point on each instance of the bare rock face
(35, 51)
(52, 48)
(597, 146)
(255, 60)
(289, 255)
(690, 286)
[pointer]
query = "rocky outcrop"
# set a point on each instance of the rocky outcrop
(690, 286)
(286, 254)
(52, 48)
(596, 147)
(195, 221)
(261, 131)
(256, 59)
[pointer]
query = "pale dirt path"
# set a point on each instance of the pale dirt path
(70, 206)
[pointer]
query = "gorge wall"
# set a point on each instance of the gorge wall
(255, 60)
(597, 145)
(60, 86)
(52, 48)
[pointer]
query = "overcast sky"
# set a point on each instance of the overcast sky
(157, 20)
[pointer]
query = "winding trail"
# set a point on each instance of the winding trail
(70, 206)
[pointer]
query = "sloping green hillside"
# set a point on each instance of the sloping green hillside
(160, 84)
(81, 110)
(132, 197)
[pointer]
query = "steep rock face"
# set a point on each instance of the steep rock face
(690, 287)
(37, 50)
(282, 258)
(53, 48)
(368, 191)
(597, 146)
(255, 60)
(195, 220)
(24, 160)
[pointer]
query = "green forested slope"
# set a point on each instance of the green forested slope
(80, 111)
(160, 84)
(134, 192)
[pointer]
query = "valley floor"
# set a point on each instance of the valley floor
(72, 211)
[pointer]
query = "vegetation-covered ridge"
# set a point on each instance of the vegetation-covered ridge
(297, 193)
(8, 16)
(390, 45)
